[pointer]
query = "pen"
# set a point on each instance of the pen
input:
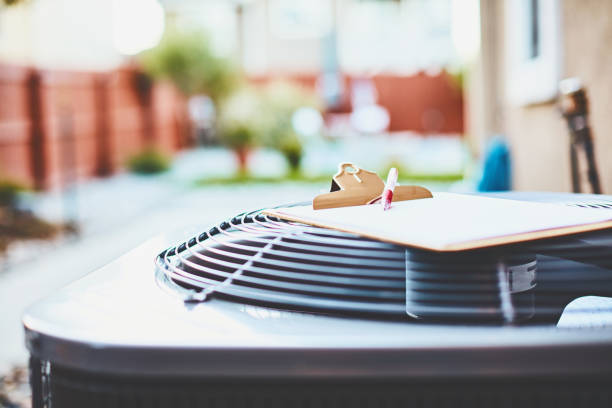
(387, 195)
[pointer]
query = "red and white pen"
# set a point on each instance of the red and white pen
(387, 194)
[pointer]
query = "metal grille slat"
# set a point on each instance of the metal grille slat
(257, 259)
(323, 290)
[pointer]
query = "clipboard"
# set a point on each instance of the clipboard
(444, 222)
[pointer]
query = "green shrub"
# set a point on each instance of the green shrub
(254, 117)
(282, 99)
(291, 148)
(9, 191)
(242, 123)
(20, 225)
(150, 161)
(17, 224)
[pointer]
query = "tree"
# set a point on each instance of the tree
(186, 59)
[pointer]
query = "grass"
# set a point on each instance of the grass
(251, 179)
(438, 178)
(408, 178)
(406, 175)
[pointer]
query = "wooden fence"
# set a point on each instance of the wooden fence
(58, 124)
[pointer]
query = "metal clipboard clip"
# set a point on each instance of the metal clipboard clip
(355, 186)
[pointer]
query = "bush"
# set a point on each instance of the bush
(17, 224)
(150, 161)
(254, 117)
(282, 99)
(242, 123)
(9, 191)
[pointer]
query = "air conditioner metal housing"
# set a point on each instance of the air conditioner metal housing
(118, 338)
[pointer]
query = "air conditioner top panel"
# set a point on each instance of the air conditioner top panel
(118, 319)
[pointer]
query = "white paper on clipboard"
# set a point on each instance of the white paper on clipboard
(453, 222)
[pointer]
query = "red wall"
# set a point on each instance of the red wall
(421, 103)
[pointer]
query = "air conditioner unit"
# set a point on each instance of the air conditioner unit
(260, 312)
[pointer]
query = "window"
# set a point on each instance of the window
(533, 50)
(533, 46)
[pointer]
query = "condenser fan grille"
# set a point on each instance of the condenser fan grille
(258, 259)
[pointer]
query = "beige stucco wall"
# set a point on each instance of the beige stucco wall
(539, 144)
(537, 134)
(587, 26)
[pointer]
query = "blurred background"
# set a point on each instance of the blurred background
(125, 119)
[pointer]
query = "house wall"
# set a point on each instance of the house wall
(41, 33)
(588, 55)
(537, 134)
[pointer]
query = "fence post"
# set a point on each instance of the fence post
(104, 153)
(143, 86)
(38, 165)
